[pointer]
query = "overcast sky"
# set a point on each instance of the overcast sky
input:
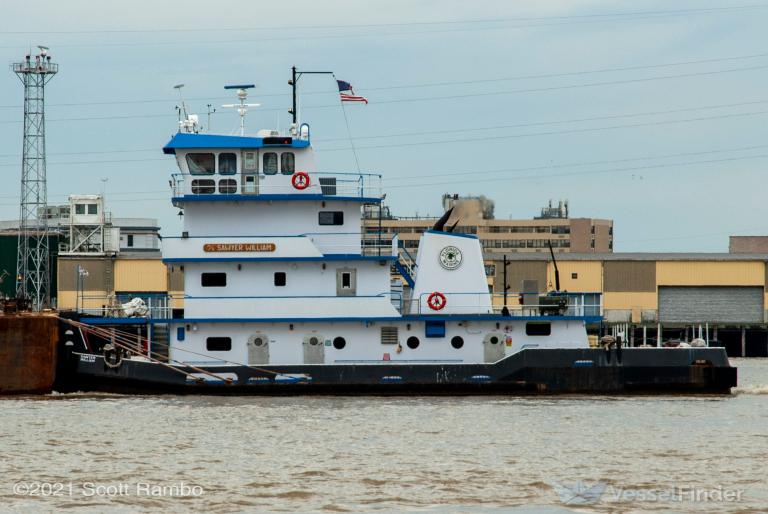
(651, 113)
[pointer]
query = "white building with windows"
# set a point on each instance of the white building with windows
(85, 226)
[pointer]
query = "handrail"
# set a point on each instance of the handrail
(362, 185)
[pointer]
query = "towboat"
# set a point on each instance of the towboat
(285, 294)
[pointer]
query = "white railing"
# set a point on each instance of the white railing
(353, 185)
(350, 243)
(158, 306)
(562, 304)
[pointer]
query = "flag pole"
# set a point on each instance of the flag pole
(349, 135)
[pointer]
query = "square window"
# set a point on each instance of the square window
(227, 164)
(79, 208)
(280, 278)
(201, 163)
(574, 276)
(330, 217)
(93, 208)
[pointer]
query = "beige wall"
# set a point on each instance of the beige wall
(638, 276)
(710, 273)
(141, 275)
(92, 299)
(627, 301)
(589, 276)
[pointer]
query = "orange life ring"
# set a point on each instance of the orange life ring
(300, 180)
(436, 301)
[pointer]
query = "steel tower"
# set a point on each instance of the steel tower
(33, 273)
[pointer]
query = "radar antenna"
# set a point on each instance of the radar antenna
(242, 107)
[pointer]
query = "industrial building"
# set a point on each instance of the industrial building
(83, 233)
(716, 296)
(475, 215)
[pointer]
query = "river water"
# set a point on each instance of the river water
(97, 453)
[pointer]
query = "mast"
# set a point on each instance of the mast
(295, 76)
(33, 273)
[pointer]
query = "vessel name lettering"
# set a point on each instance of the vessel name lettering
(239, 247)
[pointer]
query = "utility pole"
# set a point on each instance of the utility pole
(33, 273)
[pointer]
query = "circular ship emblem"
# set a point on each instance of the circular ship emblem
(450, 257)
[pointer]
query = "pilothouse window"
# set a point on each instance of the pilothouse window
(227, 164)
(270, 163)
(201, 163)
(287, 163)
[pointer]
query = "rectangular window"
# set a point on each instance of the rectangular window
(213, 279)
(249, 161)
(330, 218)
(227, 186)
(201, 163)
(280, 278)
(79, 208)
(218, 344)
(130, 239)
(93, 208)
(535, 328)
(269, 165)
(287, 163)
(203, 187)
(227, 164)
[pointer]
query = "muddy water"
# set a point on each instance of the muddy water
(96, 453)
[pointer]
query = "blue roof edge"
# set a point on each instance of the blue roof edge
(182, 140)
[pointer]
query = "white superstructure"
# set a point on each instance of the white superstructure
(275, 272)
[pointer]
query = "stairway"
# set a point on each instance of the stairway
(160, 341)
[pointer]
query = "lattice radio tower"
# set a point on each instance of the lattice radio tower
(33, 275)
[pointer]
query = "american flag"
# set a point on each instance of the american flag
(347, 94)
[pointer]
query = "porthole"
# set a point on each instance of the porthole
(457, 342)
(412, 342)
(339, 343)
(314, 341)
(494, 340)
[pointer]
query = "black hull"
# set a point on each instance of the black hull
(533, 371)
